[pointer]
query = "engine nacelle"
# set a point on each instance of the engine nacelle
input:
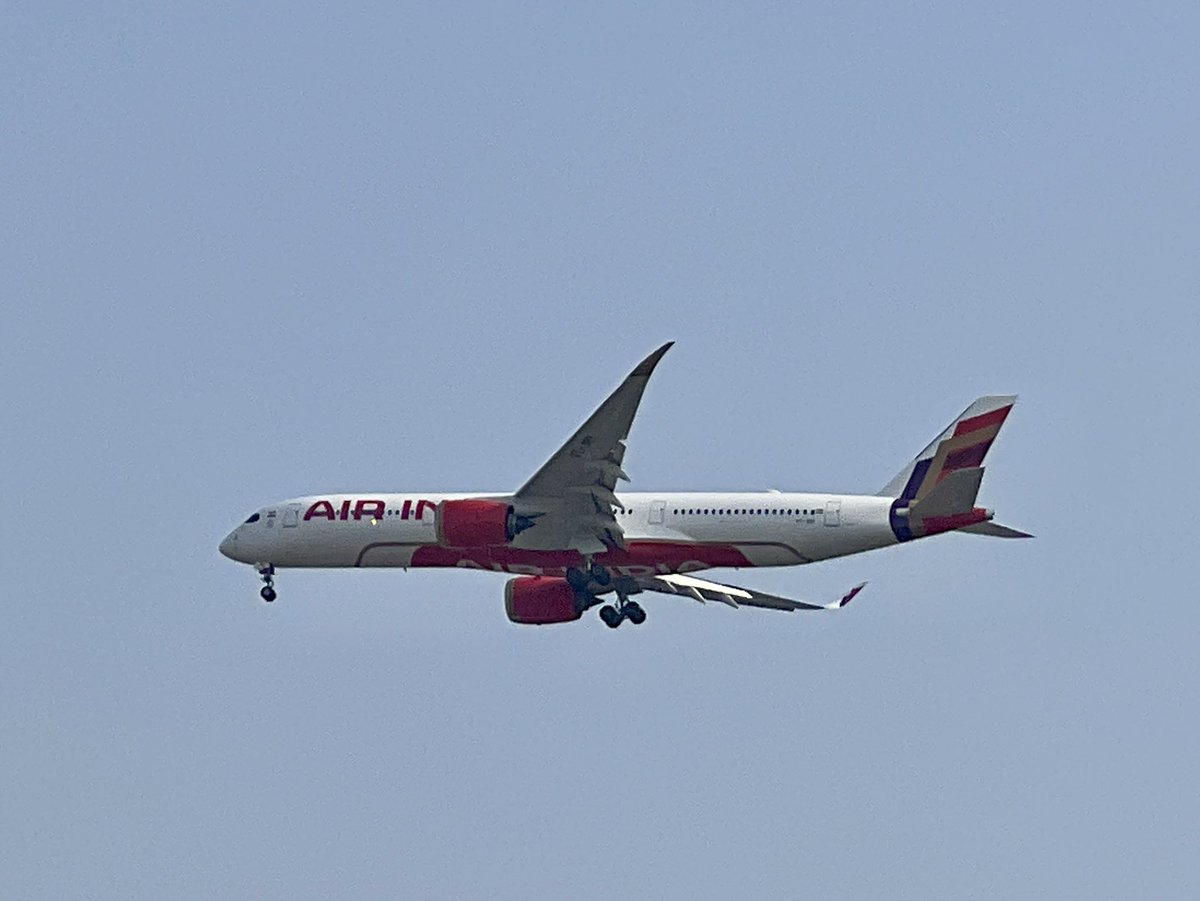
(475, 523)
(541, 600)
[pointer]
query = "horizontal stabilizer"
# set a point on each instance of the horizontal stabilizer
(954, 494)
(995, 530)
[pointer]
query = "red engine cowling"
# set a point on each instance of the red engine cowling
(540, 600)
(474, 523)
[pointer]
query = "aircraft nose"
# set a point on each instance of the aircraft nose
(229, 545)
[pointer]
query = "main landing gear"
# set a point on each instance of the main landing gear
(628, 610)
(595, 580)
(267, 572)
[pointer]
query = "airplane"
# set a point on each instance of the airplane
(570, 540)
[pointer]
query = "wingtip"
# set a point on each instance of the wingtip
(851, 594)
(647, 365)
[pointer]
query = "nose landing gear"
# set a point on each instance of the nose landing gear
(267, 572)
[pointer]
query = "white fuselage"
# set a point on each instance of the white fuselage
(663, 533)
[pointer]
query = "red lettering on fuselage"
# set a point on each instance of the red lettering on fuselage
(319, 510)
(375, 512)
(407, 511)
(529, 569)
(638, 560)
(365, 508)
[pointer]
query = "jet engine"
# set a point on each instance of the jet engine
(475, 523)
(540, 600)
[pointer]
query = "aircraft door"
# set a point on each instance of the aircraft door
(291, 516)
(656, 512)
(833, 513)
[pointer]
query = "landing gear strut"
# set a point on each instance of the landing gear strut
(600, 574)
(267, 572)
(593, 575)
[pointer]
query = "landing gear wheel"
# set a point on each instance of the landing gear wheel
(611, 617)
(634, 613)
(267, 572)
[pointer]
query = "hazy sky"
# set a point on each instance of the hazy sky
(252, 253)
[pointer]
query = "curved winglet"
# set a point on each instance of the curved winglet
(647, 365)
(850, 595)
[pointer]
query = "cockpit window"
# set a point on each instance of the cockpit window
(253, 518)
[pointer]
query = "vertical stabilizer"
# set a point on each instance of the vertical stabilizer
(963, 445)
(936, 492)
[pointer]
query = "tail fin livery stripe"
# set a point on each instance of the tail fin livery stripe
(962, 445)
(965, 449)
(975, 423)
(935, 525)
(966, 458)
(920, 470)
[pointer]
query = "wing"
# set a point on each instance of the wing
(702, 590)
(571, 498)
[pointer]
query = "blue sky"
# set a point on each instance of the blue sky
(252, 253)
